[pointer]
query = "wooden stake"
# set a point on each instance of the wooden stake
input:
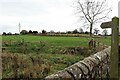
(114, 49)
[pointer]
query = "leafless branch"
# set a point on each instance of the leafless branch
(92, 11)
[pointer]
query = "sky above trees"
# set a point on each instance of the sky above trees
(57, 15)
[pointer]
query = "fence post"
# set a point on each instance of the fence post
(114, 49)
(114, 46)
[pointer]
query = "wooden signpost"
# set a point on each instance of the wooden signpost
(114, 24)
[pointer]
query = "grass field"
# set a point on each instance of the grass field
(46, 47)
(51, 53)
(58, 41)
(55, 41)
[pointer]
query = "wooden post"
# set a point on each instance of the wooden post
(114, 49)
(114, 24)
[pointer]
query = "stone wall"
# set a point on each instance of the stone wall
(92, 67)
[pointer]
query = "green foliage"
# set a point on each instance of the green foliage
(23, 32)
(43, 32)
(75, 31)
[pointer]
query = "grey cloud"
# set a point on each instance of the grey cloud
(21, 9)
(8, 28)
(29, 7)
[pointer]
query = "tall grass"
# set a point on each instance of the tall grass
(34, 65)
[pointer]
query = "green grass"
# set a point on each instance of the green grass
(52, 45)
(34, 43)
(55, 41)
(58, 41)
(105, 40)
(65, 60)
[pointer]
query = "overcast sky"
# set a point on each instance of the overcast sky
(57, 15)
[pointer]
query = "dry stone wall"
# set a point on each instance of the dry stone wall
(92, 67)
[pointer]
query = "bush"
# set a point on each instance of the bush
(23, 32)
(75, 31)
(4, 33)
(30, 31)
(43, 32)
(35, 32)
(86, 32)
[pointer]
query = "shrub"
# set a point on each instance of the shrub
(23, 32)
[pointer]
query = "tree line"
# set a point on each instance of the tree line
(44, 32)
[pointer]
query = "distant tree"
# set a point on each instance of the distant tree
(44, 32)
(105, 32)
(75, 31)
(92, 11)
(30, 31)
(4, 33)
(81, 30)
(86, 32)
(52, 32)
(35, 32)
(69, 32)
(16, 34)
(62, 32)
(23, 32)
(9, 33)
(96, 31)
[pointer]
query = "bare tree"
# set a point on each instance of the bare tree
(81, 30)
(96, 31)
(105, 32)
(92, 11)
